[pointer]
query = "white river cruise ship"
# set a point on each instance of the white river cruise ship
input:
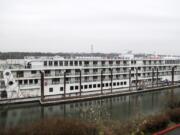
(76, 76)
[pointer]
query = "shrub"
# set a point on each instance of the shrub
(174, 104)
(154, 123)
(174, 115)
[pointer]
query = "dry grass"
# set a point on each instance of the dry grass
(54, 126)
(119, 128)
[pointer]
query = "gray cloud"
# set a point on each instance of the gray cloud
(72, 26)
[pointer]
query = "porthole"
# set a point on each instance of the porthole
(7, 73)
(10, 82)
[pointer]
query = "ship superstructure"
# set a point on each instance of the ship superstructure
(75, 76)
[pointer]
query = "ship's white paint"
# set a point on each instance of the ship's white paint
(25, 80)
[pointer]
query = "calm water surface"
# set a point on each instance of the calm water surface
(120, 108)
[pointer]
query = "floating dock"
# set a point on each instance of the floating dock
(55, 100)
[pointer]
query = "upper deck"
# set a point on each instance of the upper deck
(40, 63)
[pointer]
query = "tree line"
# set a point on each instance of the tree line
(21, 55)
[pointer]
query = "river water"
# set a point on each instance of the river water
(120, 108)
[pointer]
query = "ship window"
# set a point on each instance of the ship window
(66, 63)
(121, 83)
(45, 63)
(76, 87)
(103, 85)
(81, 86)
(30, 81)
(95, 63)
(71, 63)
(55, 63)
(94, 85)
(107, 84)
(60, 63)
(90, 86)
(76, 63)
(50, 63)
(124, 83)
(55, 80)
(25, 81)
(47, 72)
(110, 62)
(114, 84)
(61, 88)
(118, 83)
(85, 86)
(50, 89)
(4, 94)
(20, 74)
(117, 62)
(103, 63)
(33, 72)
(36, 81)
(86, 62)
(71, 87)
(20, 82)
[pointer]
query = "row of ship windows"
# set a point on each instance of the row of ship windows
(90, 86)
(35, 81)
(57, 80)
(21, 73)
(76, 63)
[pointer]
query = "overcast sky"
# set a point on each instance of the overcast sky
(73, 25)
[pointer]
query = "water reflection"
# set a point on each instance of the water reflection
(117, 108)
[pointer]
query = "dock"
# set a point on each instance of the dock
(102, 96)
(63, 100)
